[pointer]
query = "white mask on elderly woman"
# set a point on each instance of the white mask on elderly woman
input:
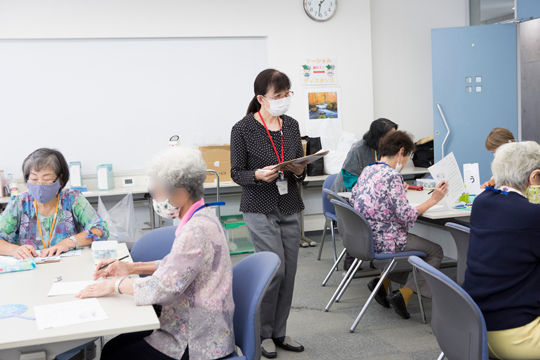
(399, 164)
(166, 210)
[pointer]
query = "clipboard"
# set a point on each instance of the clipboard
(311, 158)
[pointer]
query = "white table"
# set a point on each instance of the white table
(31, 287)
(419, 197)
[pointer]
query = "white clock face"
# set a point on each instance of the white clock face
(320, 10)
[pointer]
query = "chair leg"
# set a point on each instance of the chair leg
(341, 285)
(422, 313)
(349, 281)
(322, 237)
(379, 284)
(334, 267)
(332, 230)
(102, 342)
(441, 357)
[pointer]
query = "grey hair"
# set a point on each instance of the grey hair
(514, 163)
(180, 167)
(43, 158)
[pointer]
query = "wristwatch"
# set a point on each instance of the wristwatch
(117, 285)
(74, 239)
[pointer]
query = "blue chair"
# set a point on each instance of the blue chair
(460, 234)
(251, 277)
(456, 320)
(329, 215)
(154, 245)
(358, 240)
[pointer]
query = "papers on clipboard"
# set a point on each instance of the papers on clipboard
(311, 158)
(448, 170)
(68, 313)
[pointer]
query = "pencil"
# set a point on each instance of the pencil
(429, 193)
(104, 266)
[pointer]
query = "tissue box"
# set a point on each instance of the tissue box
(103, 250)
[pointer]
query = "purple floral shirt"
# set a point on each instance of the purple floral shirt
(194, 285)
(380, 196)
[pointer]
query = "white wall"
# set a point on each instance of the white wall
(401, 50)
(291, 35)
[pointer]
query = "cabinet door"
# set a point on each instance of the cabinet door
(475, 84)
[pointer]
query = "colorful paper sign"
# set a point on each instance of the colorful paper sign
(319, 71)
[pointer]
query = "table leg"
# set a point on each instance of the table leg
(152, 215)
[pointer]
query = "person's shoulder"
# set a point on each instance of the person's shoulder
(21, 198)
(289, 121)
(244, 122)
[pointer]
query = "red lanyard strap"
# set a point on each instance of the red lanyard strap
(268, 132)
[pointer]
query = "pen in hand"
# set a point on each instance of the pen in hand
(104, 266)
(429, 193)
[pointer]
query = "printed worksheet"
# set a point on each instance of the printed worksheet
(448, 170)
(69, 253)
(69, 287)
(68, 313)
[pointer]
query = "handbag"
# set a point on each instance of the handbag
(313, 145)
(424, 156)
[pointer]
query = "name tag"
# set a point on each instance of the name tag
(282, 186)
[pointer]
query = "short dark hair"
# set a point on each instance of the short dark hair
(44, 157)
(266, 80)
(377, 130)
(392, 142)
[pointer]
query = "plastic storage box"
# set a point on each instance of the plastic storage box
(102, 250)
(428, 184)
(237, 234)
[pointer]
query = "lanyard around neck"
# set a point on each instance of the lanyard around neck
(268, 132)
(379, 163)
(51, 231)
(219, 203)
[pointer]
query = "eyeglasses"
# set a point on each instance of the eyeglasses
(44, 182)
(279, 97)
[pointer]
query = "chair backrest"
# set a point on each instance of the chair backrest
(251, 277)
(154, 245)
(456, 320)
(355, 231)
(460, 234)
(326, 205)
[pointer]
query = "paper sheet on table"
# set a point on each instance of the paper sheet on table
(44, 260)
(66, 254)
(68, 313)
(69, 287)
(447, 169)
(434, 207)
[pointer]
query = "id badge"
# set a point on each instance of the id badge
(282, 185)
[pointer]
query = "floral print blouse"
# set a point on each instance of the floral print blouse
(194, 285)
(380, 196)
(18, 222)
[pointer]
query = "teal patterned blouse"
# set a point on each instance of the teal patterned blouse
(18, 222)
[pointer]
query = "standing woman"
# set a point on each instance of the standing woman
(271, 201)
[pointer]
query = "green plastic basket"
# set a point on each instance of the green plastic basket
(237, 234)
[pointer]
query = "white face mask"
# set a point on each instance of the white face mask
(165, 209)
(399, 165)
(279, 107)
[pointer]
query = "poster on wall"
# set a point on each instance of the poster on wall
(319, 71)
(321, 104)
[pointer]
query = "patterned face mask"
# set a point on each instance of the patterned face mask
(166, 210)
(533, 194)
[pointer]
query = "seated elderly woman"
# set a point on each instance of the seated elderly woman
(380, 196)
(48, 217)
(193, 283)
(503, 260)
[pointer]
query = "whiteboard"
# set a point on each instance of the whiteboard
(120, 100)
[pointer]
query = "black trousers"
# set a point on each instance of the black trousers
(133, 346)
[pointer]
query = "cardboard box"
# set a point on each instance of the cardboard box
(218, 158)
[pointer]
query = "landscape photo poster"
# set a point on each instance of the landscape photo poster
(321, 104)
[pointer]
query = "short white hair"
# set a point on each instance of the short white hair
(514, 163)
(180, 167)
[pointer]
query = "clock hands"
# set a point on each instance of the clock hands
(320, 7)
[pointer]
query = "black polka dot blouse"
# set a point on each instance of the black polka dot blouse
(251, 149)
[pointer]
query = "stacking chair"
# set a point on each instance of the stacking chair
(334, 196)
(456, 320)
(154, 245)
(329, 215)
(251, 277)
(358, 240)
(460, 234)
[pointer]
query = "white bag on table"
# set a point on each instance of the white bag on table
(121, 221)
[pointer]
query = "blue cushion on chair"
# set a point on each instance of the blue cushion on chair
(331, 216)
(399, 254)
